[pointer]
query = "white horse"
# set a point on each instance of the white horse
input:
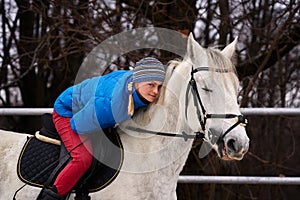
(152, 162)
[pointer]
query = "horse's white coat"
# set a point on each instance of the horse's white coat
(151, 163)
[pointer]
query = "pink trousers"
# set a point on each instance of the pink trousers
(81, 155)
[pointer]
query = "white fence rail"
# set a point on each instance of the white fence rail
(270, 111)
(256, 180)
(204, 179)
(24, 111)
(245, 111)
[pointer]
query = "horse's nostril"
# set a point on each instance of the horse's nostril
(231, 145)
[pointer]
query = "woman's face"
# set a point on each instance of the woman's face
(148, 90)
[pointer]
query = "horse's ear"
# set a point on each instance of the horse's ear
(229, 50)
(192, 47)
(190, 50)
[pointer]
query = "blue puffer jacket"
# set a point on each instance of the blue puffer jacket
(99, 102)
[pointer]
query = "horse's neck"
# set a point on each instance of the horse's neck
(154, 153)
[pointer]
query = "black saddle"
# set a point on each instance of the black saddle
(40, 162)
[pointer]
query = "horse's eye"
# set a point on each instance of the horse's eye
(207, 90)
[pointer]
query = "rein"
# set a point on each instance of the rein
(184, 135)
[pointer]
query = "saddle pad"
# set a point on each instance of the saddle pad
(36, 161)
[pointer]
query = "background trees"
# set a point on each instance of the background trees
(43, 44)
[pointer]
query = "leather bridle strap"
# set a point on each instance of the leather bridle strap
(196, 95)
(241, 120)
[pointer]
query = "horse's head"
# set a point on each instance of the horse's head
(215, 92)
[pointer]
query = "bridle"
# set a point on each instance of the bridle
(202, 117)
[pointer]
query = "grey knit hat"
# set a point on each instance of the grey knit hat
(149, 69)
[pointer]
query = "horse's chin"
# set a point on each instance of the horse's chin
(225, 156)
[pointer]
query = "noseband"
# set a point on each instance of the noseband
(202, 117)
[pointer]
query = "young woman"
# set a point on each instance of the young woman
(94, 104)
